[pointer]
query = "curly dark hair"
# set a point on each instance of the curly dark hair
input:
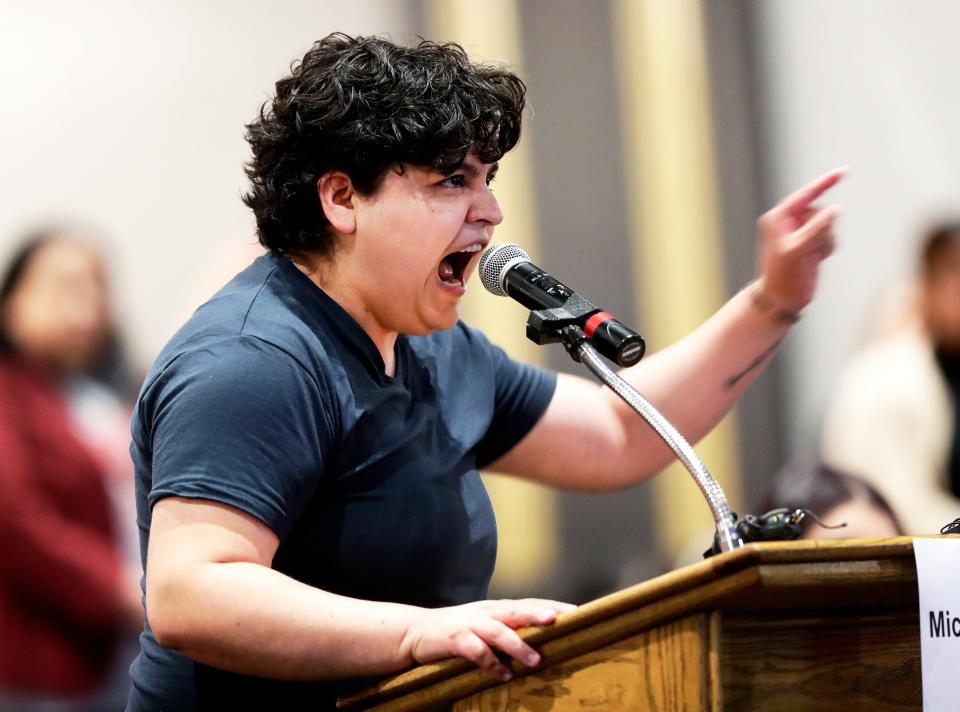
(363, 105)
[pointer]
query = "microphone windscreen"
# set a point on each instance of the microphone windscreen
(495, 263)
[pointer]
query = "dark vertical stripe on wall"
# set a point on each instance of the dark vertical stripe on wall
(418, 20)
(606, 539)
(733, 69)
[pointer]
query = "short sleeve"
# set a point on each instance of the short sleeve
(522, 393)
(238, 422)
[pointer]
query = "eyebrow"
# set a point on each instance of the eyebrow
(472, 170)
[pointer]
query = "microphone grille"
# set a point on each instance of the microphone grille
(495, 261)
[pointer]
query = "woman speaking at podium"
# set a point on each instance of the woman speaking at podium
(307, 446)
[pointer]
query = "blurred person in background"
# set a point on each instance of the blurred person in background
(69, 594)
(835, 498)
(894, 415)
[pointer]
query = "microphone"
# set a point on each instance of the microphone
(506, 271)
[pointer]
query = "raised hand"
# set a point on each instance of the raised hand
(795, 237)
(475, 630)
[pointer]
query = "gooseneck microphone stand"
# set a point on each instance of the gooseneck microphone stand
(561, 318)
(580, 348)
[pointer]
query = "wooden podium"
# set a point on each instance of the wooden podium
(781, 626)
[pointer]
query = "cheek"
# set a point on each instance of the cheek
(404, 264)
(947, 308)
(58, 324)
(408, 238)
(417, 252)
(31, 320)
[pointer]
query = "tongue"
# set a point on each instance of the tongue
(445, 270)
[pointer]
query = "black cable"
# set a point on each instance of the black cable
(951, 528)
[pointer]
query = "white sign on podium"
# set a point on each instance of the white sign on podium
(938, 576)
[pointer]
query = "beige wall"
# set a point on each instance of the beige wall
(873, 84)
(129, 116)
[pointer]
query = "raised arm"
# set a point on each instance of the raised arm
(588, 439)
(212, 595)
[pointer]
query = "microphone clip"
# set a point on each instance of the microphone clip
(576, 320)
(546, 326)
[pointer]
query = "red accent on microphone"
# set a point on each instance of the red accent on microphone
(595, 321)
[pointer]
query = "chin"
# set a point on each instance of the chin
(438, 322)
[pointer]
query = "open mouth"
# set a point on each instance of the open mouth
(453, 267)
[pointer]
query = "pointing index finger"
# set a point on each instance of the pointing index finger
(801, 199)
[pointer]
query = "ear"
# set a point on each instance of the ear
(337, 195)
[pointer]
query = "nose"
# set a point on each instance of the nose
(485, 207)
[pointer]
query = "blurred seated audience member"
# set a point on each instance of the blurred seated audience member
(893, 420)
(835, 498)
(68, 594)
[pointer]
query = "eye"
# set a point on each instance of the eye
(458, 180)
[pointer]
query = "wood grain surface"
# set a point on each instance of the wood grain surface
(662, 669)
(828, 664)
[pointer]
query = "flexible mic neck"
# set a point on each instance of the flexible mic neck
(561, 315)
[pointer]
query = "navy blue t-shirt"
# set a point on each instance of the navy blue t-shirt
(273, 400)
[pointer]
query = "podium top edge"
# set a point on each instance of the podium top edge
(728, 566)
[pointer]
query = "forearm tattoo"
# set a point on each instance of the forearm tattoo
(753, 365)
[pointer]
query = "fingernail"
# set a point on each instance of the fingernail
(532, 659)
(505, 675)
(546, 616)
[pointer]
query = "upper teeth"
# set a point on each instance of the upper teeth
(476, 247)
